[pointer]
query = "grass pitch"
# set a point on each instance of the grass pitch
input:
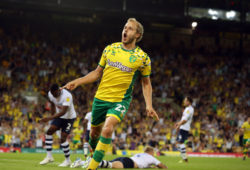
(30, 161)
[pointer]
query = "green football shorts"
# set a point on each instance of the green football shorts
(245, 141)
(101, 109)
(76, 141)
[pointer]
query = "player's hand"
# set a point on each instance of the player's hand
(70, 85)
(44, 120)
(152, 113)
(177, 126)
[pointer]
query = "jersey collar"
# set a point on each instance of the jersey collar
(128, 50)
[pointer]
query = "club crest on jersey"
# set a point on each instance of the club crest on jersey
(132, 59)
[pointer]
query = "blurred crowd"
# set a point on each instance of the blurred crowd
(214, 71)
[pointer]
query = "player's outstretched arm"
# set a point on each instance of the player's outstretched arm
(64, 110)
(89, 78)
(162, 166)
(147, 93)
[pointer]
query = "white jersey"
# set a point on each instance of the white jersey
(187, 115)
(145, 160)
(88, 117)
(65, 99)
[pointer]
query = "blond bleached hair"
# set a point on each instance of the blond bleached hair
(149, 149)
(139, 28)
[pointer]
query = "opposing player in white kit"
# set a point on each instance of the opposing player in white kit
(87, 127)
(63, 116)
(141, 160)
(183, 127)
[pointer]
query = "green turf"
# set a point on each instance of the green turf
(27, 161)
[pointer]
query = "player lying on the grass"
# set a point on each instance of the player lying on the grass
(63, 116)
(141, 160)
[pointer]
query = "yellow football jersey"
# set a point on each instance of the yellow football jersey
(77, 134)
(246, 127)
(120, 69)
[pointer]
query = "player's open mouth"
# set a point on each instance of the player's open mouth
(124, 35)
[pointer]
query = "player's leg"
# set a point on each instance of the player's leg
(49, 142)
(245, 148)
(109, 164)
(98, 116)
(86, 144)
(66, 128)
(178, 140)
(181, 138)
(183, 152)
(119, 163)
(66, 149)
(49, 139)
(94, 136)
(115, 114)
(104, 142)
(116, 163)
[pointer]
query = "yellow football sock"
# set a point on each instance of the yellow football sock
(99, 153)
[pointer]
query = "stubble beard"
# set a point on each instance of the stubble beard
(129, 41)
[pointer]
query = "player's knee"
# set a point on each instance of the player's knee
(94, 134)
(51, 130)
(107, 131)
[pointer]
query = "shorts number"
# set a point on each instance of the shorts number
(68, 127)
(120, 108)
